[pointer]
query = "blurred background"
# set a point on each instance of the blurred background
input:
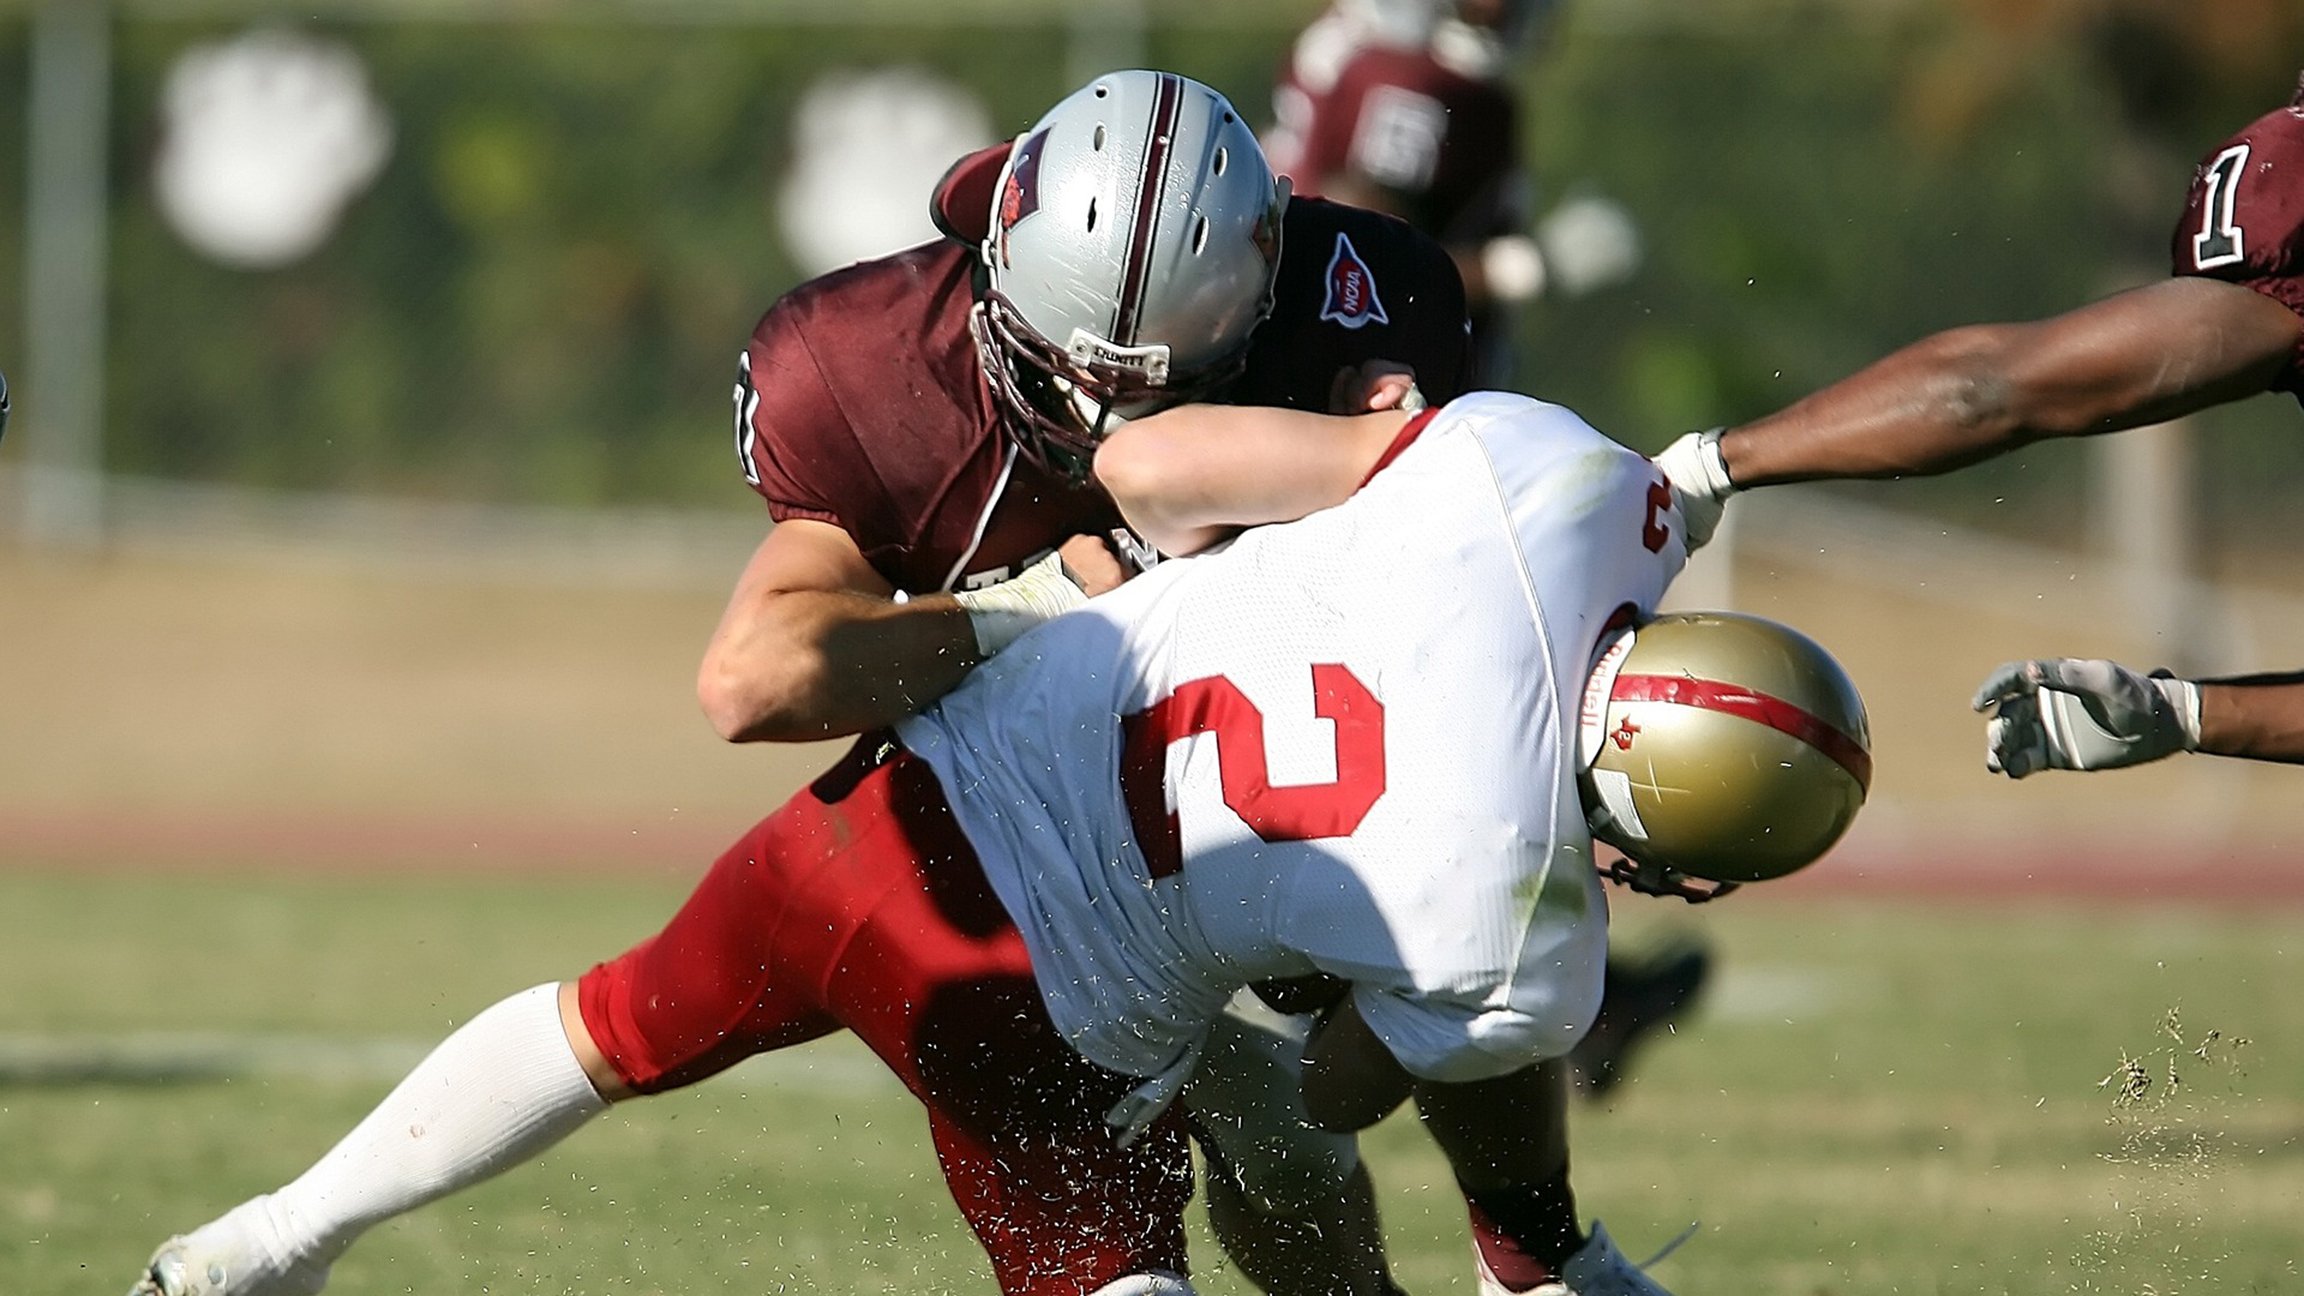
(371, 357)
(370, 496)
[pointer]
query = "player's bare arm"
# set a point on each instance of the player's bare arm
(1967, 394)
(2257, 716)
(813, 644)
(1193, 476)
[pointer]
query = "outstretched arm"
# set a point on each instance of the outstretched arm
(2089, 714)
(1968, 394)
(2256, 716)
(1192, 476)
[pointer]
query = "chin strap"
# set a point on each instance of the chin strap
(1660, 880)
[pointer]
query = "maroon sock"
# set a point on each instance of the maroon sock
(1526, 1233)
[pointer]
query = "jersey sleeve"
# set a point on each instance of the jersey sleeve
(1430, 329)
(1355, 286)
(788, 424)
(2243, 218)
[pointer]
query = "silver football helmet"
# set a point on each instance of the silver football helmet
(1135, 234)
(1722, 747)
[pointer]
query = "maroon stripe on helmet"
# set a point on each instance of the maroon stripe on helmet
(1167, 106)
(1761, 708)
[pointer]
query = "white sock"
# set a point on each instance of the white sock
(498, 1091)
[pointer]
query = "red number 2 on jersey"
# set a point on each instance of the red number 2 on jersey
(1653, 532)
(1297, 813)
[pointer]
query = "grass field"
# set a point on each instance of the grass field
(1874, 1100)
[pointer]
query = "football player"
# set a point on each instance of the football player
(1354, 754)
(2228, 324)
(1408, 107)
(919, 426)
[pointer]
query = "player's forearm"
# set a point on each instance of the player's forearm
(810, 664)
(1190, 476)
(1934, 406)
(2259, 717)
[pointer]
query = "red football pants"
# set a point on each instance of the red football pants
(861, 905)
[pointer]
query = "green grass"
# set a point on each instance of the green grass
(1877, 1099)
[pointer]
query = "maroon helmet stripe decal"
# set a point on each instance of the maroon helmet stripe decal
(1774, 712)
(1166, 106)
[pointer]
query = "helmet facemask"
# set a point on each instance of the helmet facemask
(1130, 257)
(1060, 402)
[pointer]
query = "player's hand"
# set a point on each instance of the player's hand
(1090, 564)
(2073, 714)
(1001, 613)
(1700, 484)
(1374, 385)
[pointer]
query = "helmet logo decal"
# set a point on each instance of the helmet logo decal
(1020, 192)
(1624, 734)
(1352, 300)
(1266, 235)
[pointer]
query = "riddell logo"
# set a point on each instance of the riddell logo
(1352, 300)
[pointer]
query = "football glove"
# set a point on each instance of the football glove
(2067, 713)
(1700, 484)
(1000, 613)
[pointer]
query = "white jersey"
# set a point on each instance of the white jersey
(1343, 744)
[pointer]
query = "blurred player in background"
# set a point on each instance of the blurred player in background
(920, 427)
(2228, 324)
(1411, 107)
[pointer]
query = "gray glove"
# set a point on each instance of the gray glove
(2074, 714)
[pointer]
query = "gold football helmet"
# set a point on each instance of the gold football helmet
(1722, 747)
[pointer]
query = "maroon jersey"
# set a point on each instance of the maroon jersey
(861, 400)
(1443, 144)
(2244, 218)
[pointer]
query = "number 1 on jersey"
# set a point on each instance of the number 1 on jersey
(2219, 242)
(1215, 705)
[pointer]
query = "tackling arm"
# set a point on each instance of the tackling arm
(1968, 394)
(814, 645)
(1192, 476)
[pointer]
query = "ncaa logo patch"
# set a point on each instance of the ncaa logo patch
(1352, 300)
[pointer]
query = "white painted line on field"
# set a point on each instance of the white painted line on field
(190, 1057)
(1747, 995)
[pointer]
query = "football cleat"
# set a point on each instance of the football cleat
(232, 1256)
(1595, 1269)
